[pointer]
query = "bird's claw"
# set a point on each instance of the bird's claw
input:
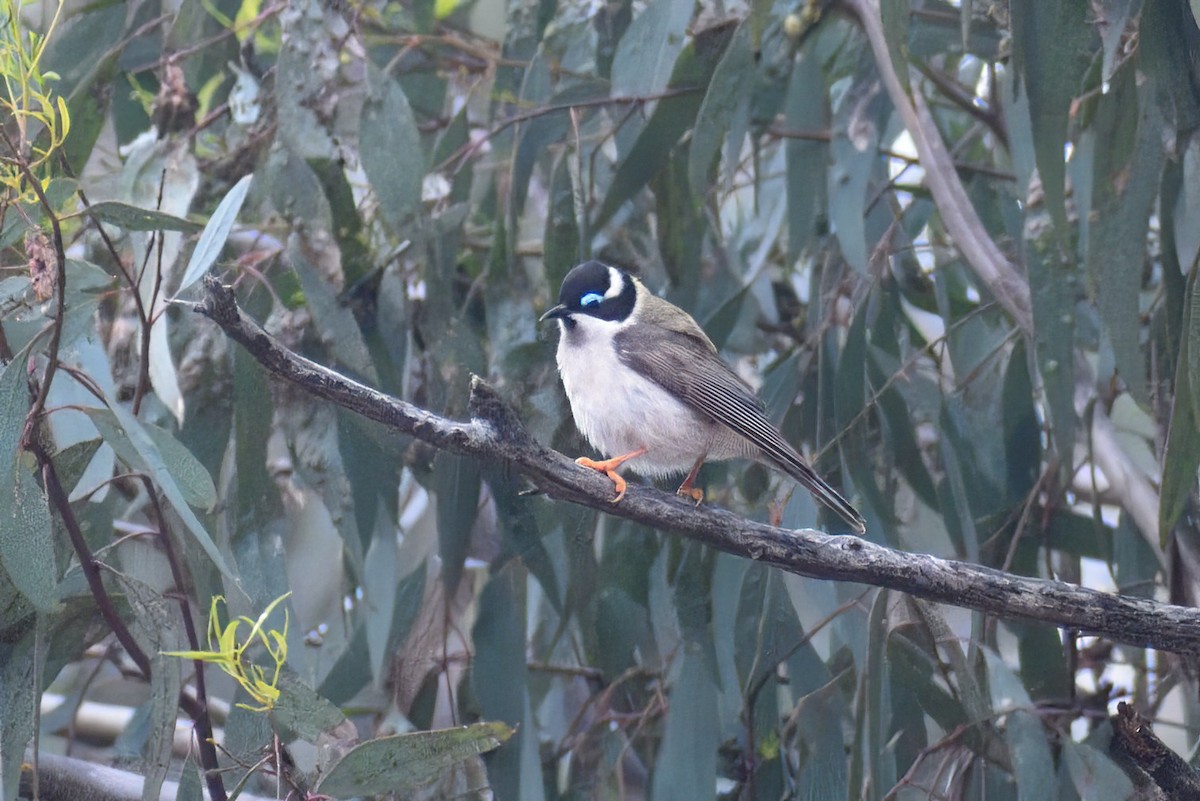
(608, 468)
(695, 493)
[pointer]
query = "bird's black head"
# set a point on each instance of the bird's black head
(595, 290)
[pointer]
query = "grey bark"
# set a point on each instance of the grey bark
(493, 432)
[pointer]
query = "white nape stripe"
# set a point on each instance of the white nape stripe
(615, 283)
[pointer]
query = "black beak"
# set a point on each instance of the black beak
(555, 313)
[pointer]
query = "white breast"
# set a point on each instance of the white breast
(619, 411)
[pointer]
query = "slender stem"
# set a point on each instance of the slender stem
(460, 155)
(204, 730)
(146, 310)
(60, 289)
(87, 562)
(196, 708)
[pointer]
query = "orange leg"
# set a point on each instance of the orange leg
(688, 489)
(609, 468)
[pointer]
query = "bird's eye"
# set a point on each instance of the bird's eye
(590, 299)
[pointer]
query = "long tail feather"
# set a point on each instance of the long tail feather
(827, 495)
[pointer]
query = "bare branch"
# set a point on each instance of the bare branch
(63, 778)
(494, 433)
(1001, 276)
(1147, 760)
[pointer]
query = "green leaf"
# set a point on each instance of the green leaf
(314, 258)
(1182, 457)
(1127, 168)
(921, 669)
(1051, 48)
(135, 218)
(215, 233)
(1053, 286)
(26, 540)
(687, 764)
(306, 37)
(1116, 14)
(1022, 441)
(379, 587)
(86, 52)
(854, 148)
(805, 109)
(390, 147)
(21, 665)
(971, 691)
(405, 761)
(153, 625)
(137, 448)
(895, 15)
(456, 487)
(901, 436)
(1096, 777)
(499, 676)
(193, 480)
(1033, 766)
(670, 120)
(648, 51)
(560, 242)
(296, 192)
(351, 671)
(730, 84)
(303, 712)
(879, 770)
(533, 136)
(257, 500)
(190, 787)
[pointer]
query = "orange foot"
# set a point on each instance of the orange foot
(688, 489)
(609, 468)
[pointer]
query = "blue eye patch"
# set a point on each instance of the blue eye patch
(590, 299)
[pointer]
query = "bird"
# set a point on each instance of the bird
(648, 389)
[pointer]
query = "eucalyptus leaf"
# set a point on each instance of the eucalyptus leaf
(26, 546)
(805, 109)
(390, 147)
(303, 712)
(499, 675)
(215, 233)
(136, 218)
(671, 118)
(20, 672)
(686, 767)
(379, 580)
(1095, 776)
(730, 81)
(647, 52)
(1182, 456)
(134, 443)
(1051, 41)
(193, 480)
(406, 761)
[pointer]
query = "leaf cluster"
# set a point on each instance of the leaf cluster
(952, 244)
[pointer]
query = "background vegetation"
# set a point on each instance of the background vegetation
(992, 351)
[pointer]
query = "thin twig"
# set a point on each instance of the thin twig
(954, 205)
(463, 153)
(204, 729)
(60, 289)
(87, 562)
(146, 308)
